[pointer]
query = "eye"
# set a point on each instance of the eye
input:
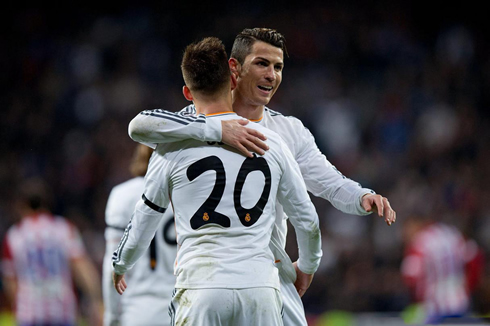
(262, 63)
(278, 68)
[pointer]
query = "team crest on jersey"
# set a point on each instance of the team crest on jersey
(205, 217)
(247, 217)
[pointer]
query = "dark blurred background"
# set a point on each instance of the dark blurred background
(397, 94)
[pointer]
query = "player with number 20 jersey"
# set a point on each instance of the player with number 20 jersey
(224, 206)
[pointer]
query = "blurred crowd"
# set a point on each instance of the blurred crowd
(399, 106)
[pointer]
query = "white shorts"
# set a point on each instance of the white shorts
(293, 310)
(145, 311)
(222, 307)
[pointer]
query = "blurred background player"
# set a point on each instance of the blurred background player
(146, 302)
(257, 61)
(42, 255)
(225, 211)
(440, 267)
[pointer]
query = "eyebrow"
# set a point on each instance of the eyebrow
(268, 61)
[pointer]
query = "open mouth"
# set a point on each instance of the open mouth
(265, 88)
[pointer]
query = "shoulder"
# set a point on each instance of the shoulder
(63, 226)
(281, 120)
(188, 110)
(185, 116)
(278, 116)
(273, 113)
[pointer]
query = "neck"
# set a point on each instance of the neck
(27, 211)
(246, 109)
(213, 106)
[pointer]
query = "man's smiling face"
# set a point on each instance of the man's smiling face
(261, 74)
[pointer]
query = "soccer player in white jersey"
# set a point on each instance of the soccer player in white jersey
(224, 205)
(43, 254)
(257, 62)
(146, 302)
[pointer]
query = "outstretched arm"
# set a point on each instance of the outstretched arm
(152, 127)
(324, 180)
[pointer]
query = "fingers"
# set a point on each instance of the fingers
(243, 122)
(256, 145)
(121, 286)
(389, 213)
(243, 150)
(378, 201)
(246, 140)
(367, 207)
(256, 134)
(301, 292)
(381, 205)
(119, 283)
(384, 209)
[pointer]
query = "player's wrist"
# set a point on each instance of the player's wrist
(305, 269)
(212, 130)
(363, 193)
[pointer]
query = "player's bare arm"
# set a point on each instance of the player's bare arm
(246, 140)
(380, 205)
(119, 282)
(303, 280)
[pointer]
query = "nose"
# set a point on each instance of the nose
(270, 74)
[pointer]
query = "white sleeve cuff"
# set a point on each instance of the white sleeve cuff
(212, 130)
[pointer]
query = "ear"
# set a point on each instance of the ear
(187, 93)
(235, 67)
(233, 81)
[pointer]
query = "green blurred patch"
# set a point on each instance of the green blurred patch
(7, 319)
(336, 318)
(413, 314)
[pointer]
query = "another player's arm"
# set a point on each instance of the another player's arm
(324, 180)
(112, 300)
(9, 280)
(113, 234)
(159, 126)
(10, 288)
(142, 227)
(86, 276)
(292, 194)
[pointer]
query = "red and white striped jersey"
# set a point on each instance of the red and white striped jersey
(434, 268)
(37, 252)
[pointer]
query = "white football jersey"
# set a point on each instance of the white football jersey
(321, 177)
(224, 208)
(151, 281)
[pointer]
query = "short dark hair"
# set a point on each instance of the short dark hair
(35, 193)
(205, 66)
(246, 39)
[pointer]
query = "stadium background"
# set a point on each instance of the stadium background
(395, 92)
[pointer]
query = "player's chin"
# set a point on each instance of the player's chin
(264, 100)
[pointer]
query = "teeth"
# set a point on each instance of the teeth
(266, 88)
